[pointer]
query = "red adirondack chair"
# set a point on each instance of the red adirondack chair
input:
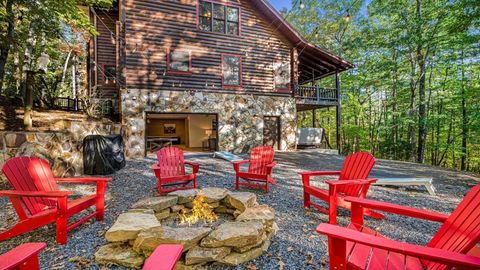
(164, 257)
(259, 170)
(170, 170)
(38, 201)
(23, 257)
(358, 247)
(352, 181)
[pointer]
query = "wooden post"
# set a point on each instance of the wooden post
(314, 118)
(294, 69)
(339, 111)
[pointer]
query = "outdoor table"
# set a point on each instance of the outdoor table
(427, 182)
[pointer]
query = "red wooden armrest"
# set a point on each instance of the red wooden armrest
(236, 164)
(51, 194)
(195, 166)
(155, 167)
(163, 258)
(350, 182)
(432, 254)
(83, 179)
(319, 173)
(20, 255)
(270, 167)
(398, 209)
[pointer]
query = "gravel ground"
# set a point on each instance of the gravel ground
(295, 246)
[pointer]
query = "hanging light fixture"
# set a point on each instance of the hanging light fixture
(347, 17)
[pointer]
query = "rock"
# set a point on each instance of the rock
(223, 209)
(241, 200)
(246, 248)
(177, 208)
(119, 254)
(145, 211)
(149, 239)
(262, 213)
(213, 194)
(163, 214)
(273, 229)
(198, 255)
(234, 234)
(235, 258)
(185, 196)
(181, 266)
(156, 203)
(128, 225)
(214, 205)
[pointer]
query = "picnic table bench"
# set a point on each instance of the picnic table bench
(427, 182)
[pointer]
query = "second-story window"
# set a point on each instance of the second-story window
(281, 75)
(231, 71)
(109, 74)
(218, 18)
(179, 61)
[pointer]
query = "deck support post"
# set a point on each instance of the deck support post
(338, 111)
(314, 118)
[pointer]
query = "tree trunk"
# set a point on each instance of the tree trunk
(27, 88)
(5, 47)
(464, 120)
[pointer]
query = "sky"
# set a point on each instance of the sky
(279, 4)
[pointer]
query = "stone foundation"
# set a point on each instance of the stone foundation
(62, 146)
(240, 116)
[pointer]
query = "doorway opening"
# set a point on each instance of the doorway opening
(194, 132)
(271, 131)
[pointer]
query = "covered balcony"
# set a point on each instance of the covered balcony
(318, 85)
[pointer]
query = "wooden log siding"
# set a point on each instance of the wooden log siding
(106, 52)
(154, 26)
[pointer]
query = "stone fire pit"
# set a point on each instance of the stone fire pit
(241, 233)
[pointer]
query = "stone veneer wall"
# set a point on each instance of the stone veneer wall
(240, 116)
(62, 146)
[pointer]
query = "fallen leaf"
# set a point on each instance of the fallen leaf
(281, 265)
(309, 258)
(251, 267)
(290, 248)
(323, 261)
(80, 262)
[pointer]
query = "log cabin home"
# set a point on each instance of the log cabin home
(218, 75)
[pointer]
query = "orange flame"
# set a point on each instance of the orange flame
(200, 210)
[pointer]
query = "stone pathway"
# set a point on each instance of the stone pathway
(296, 245)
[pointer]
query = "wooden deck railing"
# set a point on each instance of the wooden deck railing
(315, 93)
(103, 106)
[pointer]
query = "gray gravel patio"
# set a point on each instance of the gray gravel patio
(296, 245)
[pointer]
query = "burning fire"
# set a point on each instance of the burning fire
(200, 210)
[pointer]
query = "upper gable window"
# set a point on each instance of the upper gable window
(214, 17)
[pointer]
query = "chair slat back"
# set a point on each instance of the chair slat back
(31, 174)
(260, 157)
(171, 161)
(356, 166)
(461, 231)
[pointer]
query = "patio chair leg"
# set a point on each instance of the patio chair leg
(62, 221)
(266, 187)
(100, 201)
(236, 182)
(306, 200)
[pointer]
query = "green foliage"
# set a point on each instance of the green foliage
(389, 41)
